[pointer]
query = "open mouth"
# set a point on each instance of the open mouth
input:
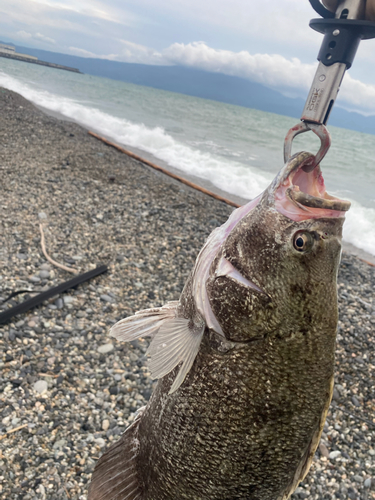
(301, 193)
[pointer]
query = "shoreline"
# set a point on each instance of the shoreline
(346, 246)
(69, 390)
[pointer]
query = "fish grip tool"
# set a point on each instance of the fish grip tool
(343, 31)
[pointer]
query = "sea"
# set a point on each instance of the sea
(233, 149)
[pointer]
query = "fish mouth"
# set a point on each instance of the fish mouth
(300, 192)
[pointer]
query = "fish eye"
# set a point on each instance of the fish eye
(303, 241)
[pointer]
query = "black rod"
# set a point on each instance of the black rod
(56, 290)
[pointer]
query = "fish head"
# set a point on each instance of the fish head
(275, 274)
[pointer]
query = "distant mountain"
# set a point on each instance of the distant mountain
(199, 83)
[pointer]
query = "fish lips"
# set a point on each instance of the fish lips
(299, 192)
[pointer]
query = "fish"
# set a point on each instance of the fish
(244, 359)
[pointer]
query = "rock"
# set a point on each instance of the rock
(68, 299)
(105, 424)
(34, 279)
(40, 386)
(334, 454)
(323, 450)
(59, 303)
(42, 215)
(22, 256)
(368, 482)
(44, 274)
(106, 298)
(355, 402)
(335, 395)
(58, 445)
(104, 349)
(100, 442)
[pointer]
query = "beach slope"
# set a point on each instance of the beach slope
(67, 389)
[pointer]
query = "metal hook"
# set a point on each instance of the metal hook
(320, 130)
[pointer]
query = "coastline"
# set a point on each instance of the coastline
(69, 390)
(347, 247)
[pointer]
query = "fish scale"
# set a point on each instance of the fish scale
(219, 435)
(244, 358)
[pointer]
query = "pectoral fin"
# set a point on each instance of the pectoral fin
(144, 323)
(177, 341)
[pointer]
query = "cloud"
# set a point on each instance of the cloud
(82, 52)
(273, 70)
(129, 52)
(37, 36)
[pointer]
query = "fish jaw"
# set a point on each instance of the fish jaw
(300, 194)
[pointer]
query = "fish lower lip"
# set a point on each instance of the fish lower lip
(313, 202)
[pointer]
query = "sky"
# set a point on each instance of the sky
(267, 41)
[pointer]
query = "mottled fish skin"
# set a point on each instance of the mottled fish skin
(247, 419)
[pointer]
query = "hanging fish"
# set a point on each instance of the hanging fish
(244, 358)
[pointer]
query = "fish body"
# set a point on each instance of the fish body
(244, 358)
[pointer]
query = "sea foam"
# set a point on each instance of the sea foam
(230, 176)
(223, 172)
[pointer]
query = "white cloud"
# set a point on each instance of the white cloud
(24, 35)
(273, 70)
(82, 52)
(37, 36)
(129, 52)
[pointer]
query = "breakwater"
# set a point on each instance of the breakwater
(37, 61)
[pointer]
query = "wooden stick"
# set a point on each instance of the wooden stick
(61, 266)
(13, 430)
(164, 171)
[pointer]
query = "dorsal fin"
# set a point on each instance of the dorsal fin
(175, 340)
(115, 476)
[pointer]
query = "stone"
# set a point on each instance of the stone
(40, 386)
(323, 450)
(59, 303)
(104, 349)
(100, 442)
(68, 299)
(105, 424)
(34, 279)
(355, 402)
(58, 445)
(334, 454)
(106, 298)
(44, 274)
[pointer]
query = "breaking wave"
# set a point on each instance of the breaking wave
(230, 176)
(225, 173)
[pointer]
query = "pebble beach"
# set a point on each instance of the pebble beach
(67, 389)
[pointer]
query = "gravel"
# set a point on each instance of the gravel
(67, 392)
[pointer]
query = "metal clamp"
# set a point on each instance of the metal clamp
(341, 40)
(320, 130)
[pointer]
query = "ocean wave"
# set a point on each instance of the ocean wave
(226, 174)
(230, 176)
(359, 227)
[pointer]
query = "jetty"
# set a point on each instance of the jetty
(9, 51)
